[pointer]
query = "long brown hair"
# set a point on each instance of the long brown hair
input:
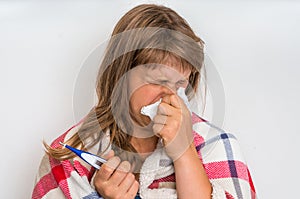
(153, 34)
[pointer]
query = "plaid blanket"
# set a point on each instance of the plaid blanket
(218, 150)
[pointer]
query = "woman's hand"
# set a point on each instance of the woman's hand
(173, 124)
(114, 179)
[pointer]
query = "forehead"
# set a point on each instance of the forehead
(146, 73)
(155, 58)
(167, 71)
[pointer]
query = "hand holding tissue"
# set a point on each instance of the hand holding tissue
(151, 109)
(172, 123)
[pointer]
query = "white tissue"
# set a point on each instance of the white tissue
(151, 109)
(181, 94)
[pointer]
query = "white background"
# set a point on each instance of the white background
(254, 45)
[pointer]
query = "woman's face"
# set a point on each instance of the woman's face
(148, 84)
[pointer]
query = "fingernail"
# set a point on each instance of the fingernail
(124, 166)
(113, 162)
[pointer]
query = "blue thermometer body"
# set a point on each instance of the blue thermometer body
(90, 158)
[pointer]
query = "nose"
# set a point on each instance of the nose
(169, 89)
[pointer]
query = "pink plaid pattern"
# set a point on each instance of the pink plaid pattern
(229, 170)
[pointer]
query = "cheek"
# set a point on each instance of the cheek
(143, 96)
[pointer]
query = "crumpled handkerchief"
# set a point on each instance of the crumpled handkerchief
(151, 109)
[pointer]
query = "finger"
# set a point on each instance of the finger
(157, 128)
(127, 183)
(165, 109)
(160, 119)
(109, 154)
(175, 101)
(120, 173)
(133, 190)
(166, 99)
(107, 169)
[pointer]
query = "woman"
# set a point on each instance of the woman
(153, 54)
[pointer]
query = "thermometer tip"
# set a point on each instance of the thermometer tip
(62, 144)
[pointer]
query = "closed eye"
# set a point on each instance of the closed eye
(163, 81)
(182, 83)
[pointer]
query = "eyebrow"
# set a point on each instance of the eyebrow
(168, 80)
(162, 77)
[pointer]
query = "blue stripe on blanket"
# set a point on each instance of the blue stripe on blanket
(214, 139)
(231, 164)
(93, 195)
(137, 197)
(165, 162)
